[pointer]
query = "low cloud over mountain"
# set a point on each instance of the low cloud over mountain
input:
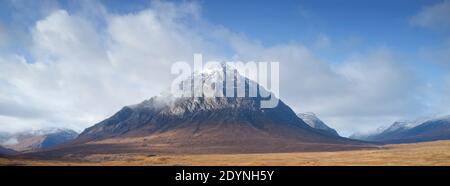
(37, 139)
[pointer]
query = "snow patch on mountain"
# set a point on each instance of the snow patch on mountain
(313, 121)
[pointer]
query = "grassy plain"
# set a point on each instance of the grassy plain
(427, 153)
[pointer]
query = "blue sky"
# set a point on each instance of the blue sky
(353, 25)
(377, 22)
(358, 65)
(369, 23)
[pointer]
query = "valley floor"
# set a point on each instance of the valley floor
(427, 153)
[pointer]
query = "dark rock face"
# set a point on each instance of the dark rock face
(165, 113)
(313, 121)
(151, 117)
(411, 132)
(211, 125)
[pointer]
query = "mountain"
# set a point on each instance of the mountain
(420, 130)
(367, 136)
(313, 121)
(37, 139)
(168, 124)
(5, 151)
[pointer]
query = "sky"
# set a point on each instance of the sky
(359, 65)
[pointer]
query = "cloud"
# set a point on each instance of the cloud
(439, 55)
(322, 42)
(10, 141)
(363, 92)
(85, 66)
(81, 73)
(380, 83)
(434, 16)
(3, 36)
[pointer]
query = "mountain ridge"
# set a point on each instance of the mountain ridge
(313, 121)
(37, 139)
(167, 124)
(420, 130)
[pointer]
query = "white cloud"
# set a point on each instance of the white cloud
(322, 42)
(3, 36)
(434, 16)
(439, 55)
(373, 87)
(83, 72)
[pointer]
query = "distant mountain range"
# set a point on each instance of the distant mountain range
(167, 124)
(313, 121)
(5, 151)
(36, 139)
(424, 129)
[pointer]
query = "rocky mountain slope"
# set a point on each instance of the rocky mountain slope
(313, 121)
(168, 124)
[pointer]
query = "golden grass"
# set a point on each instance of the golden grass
(428, 153)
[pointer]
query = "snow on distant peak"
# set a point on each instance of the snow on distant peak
(50, 130)
(407, 124)
(312, 120)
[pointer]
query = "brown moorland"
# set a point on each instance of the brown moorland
(427, 153)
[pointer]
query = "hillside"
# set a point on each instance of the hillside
(420, 154)
(37, 139)
(429, 129)
(313, 121)
(174, 125)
